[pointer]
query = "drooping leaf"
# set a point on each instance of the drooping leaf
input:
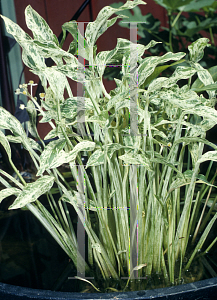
(210, 155)
(8, 192)
(32, 191)
(5, 144)
(186, 179)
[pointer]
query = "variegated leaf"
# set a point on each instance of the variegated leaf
(196, 49)
(5, 144)
(32, 191)
(149, 64)
(31, 110)
(50, 156)
(205, 77)
(119, 98)
(100, 25)
(101, 119)
(8, 121)
(72, 27)
(181, 72)
(18, 33)
(210, 155)
(186, 179)
(96, 159)
(82, 146)
(39, 27)
(8, 192)
(19, 140)
(70, 107)
(31, 57)
(136, 159)
(57, 81)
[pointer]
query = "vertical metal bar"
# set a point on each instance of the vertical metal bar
(133, 220)
(133, 80)
(80, 83)
(80, 224)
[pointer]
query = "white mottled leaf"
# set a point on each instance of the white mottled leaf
(136, 159)
(15, 30)
(205, 77)
(70, 107)
(8, 192)
(72, 27)
(32, 191)
(210, 155)
(5, 144)
(31, 124)
(57, 81)
(149, 64)
(50, 155)
(82, 146)
(100, 25)
(39, 27)
(96, 159)
(196, 49)
(186, 179)
(8, 121)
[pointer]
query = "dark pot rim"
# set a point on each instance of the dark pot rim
(204, 289)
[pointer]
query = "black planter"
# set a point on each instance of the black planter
(204, 289)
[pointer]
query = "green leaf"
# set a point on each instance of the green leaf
(172, 4)
(32, 191)
(39, 27)
(209, 87)
(8, 192)
(196, 5)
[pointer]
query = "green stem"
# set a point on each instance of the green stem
(170, 32)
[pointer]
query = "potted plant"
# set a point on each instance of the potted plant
(141, 202)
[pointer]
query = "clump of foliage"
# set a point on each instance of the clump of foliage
(136, 197)
(188, 21)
